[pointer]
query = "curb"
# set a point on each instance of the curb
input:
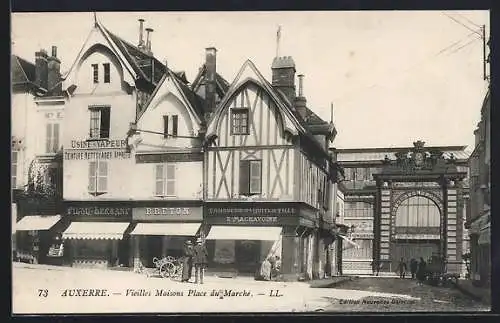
(331, 284)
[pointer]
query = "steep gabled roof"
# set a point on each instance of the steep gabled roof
(22, 70)
(136, 57)
(199, 80)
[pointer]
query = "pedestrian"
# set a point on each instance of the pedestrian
(275, 266)
(200, 260)
(421, 271)
(187, 261)
(413, 267)
(376, 267)
(402, 268)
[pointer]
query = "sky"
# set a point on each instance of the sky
(393, 77)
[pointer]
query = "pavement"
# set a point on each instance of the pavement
(482, 294)
(41, 289)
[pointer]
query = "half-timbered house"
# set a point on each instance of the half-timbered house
(267, 176)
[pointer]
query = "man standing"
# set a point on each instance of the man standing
(187, 261)
(402, 268)
(413, 267)
(200, 260)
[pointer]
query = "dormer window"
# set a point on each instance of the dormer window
(170, 125)
(239, 121)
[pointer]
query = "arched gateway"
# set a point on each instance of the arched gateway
(419, 196)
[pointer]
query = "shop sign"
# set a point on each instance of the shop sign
(99, 211)
(168, 157)
(167, 213)
(364, 235)
(249, 211)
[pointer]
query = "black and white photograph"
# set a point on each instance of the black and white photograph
(250, 162)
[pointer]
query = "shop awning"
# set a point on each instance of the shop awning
(227, 232)
(166, 229)
(349, 241)
(37, 222)
(95, 230)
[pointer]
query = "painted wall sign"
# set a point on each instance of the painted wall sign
(169, 157)
(101, 154)
(99, 211)
(167, 213)
(99, 144)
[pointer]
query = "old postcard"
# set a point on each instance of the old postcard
(250, 162)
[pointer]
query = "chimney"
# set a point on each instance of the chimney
(283, 70)
(148, 39)
(210, 82)
(41, 68)
(141, 34)
(54, 72)
(300, 101)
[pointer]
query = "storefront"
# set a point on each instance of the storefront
(97, 235)
(242, 235)
(34, 236)
(162, 228)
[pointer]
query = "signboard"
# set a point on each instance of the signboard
(99, 210)
(168, 157)
(96, 149)
(362, 235)
(251, 211)
(167, 213)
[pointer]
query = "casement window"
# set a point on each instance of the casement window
(98, 177)
(99, 122)
(14, 161)
(239, 121)
(52, 138)
(165, 179)
(170, 126)
(250, 177)
(95, 73)
(106, 73)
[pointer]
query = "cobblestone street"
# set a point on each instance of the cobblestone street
(430, 298)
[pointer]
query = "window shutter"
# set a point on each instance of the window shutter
(175, 120)
(105, 122)
(92, 176)
(48, 138)
(95, 71)
(255, 177)
(159, 180)
(106, 73)
(103, 176)
(170, 179)
(55, 130)
(244, 177)
(165, 126)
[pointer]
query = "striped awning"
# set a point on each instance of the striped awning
(352, 243)
(37, 222)
(96, 230)
(166, 229)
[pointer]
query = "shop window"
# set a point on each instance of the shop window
(98, 177)
(250, 177)
(14, 162)
(52, 138)
(106, 73)
(239, 121)
(170, 126)
(165, 180)
(95, 73)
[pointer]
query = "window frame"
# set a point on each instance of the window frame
(107, 72)
(165, 179)
(96, 177)
(14, 162)
(240, 129)
(246, 176)
(95, 73)
(52, 139)
(96, 133)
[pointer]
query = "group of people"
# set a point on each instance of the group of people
(269, 269)
(197, 256)
(417, 269)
